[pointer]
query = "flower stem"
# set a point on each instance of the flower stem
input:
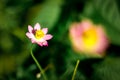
(39, 66)
(73, 76)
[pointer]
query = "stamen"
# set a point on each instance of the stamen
(39, 34)
(90, 37)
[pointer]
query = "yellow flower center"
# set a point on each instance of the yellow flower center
(90, 38)
(39, 34)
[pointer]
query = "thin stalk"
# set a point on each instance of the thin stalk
(39, 66)
(74, 73)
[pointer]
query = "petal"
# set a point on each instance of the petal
(48, 36)
(40, 43)
(45, 43)
(37, 26)
(45, 30)
(30, 28)
(29, 35)
(76, 30)
(33, 40)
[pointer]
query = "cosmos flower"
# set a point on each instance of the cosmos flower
(38, 35)
(88, 38)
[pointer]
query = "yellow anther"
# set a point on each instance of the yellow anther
(90, 37)
(39, 34)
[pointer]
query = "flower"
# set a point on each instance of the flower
(38, 35)
(88, 38)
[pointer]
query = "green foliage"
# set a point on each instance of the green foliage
(46, 13)
(109, 69)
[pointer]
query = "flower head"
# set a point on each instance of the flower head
(38, 35)
(89, 38)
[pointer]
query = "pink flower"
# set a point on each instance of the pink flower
(38, 35)
(88, 38)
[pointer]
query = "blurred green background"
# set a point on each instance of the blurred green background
(57, 15)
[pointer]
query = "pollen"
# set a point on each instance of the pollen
(90, 38)
(39, 34)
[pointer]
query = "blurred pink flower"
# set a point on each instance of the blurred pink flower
(38, 35)
(88, 38)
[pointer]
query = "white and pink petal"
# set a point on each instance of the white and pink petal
(29, 35)
(45, 30)
(37, 26)
(40, 43)
(45, 43)
(48, 37)
(33, 40)
(30, 29)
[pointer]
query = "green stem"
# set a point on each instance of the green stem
(37, 63)
(78, 61)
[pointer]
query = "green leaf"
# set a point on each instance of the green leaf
(46, 14)
(109, 10)
(108, 69)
